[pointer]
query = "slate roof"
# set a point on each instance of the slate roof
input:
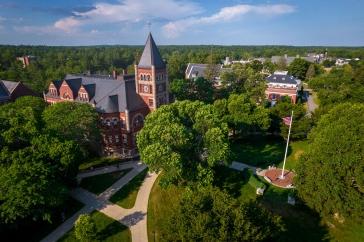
(198, 70)
(4, 93)
(109, 95)
(151, 56)
(286, 79)
(10, 86)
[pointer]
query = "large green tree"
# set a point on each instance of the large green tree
(242, 114)
(330, 174)
(73, 121)
(36, 166)
(184, 139)
(209, 214)
(298, 68)
(198, 89)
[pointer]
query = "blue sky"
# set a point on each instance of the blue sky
(227, 22)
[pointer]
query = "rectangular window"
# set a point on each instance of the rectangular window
(125, 139)
(116, 138)
(110, 139)
(150, 102)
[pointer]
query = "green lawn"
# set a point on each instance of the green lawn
(161, 202)
(348, 231)
(263, 151)
(126, 196)
(98, 184)
(108, 230)
(33, 231)
(297, 149)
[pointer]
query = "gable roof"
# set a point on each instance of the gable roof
(108, 94)
(10, 86)
(285, 79)
(151, 56)
(4, 93)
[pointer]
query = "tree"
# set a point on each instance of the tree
(282, 64)
(35, 165)
(209, 214)
(29, 186)
(301, 124)
(180, 88)
(311, 72)
(298, 68)
(85, 228)
(330, 174)
(73, 121)
(242, 114)
(328, 63)
(199, 89)
(184, 139)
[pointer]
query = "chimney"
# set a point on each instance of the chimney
(114, 74)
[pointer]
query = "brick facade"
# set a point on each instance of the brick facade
(123, 101)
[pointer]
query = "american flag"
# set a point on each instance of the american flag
(287, 120)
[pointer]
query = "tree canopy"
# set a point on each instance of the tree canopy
(36, 165)
(298, 68)
(198, 89)
(184, 139)
(209, 214)
(330, 174)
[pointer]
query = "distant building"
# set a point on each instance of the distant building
(9, 91)
(311, 57)
(194, 70)
(122, 101)
(281, 84)
(25, 60)
(227, 61)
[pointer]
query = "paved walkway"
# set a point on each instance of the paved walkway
(242, 166)
(311, 105)
(135, 218)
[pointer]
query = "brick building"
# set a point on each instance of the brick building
(281, 84)
(122, 101)
(10, 90)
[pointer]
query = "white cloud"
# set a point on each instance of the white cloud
(130, 11)
(175, 28)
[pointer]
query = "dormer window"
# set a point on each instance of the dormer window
(66, 95)
(83, 96)
(53, 91)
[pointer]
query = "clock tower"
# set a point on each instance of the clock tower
(151, 79)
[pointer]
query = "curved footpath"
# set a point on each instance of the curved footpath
(135, 218)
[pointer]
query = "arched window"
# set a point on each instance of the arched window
(66, 95)
(108, 123)
(138, 121)
(115, 121)
(148, 77)
(141, 77)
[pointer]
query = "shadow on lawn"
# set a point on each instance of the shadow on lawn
(110, 230)
(259, 150)
(302, 223)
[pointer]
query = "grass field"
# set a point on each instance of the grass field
(98, 184)
(263, 151)
(126, 196)
(161, 202)
(108, 230)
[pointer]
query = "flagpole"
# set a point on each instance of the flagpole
(285, 154)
